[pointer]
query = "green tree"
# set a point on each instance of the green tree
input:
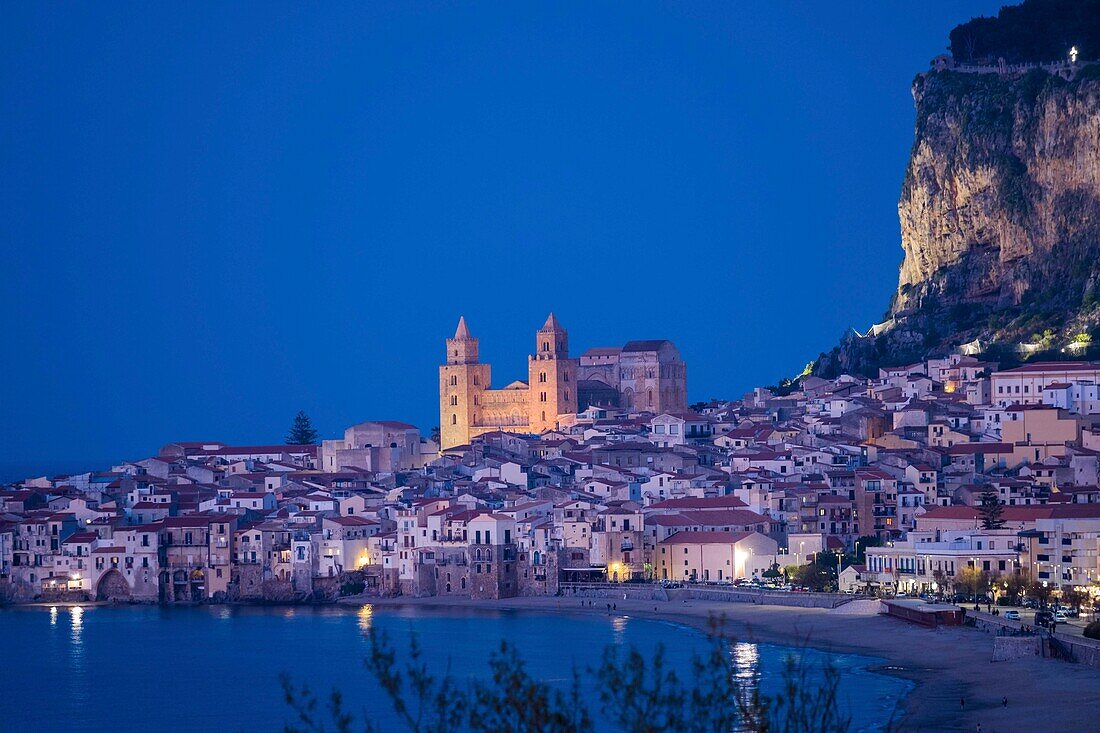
(991, 510)
(863, 543)
(301, 432)
(1074, 598)
(1040, 592)
(818, 575)
(972, 581)
(1015, 585)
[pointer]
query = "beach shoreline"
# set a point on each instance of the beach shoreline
(956, 686)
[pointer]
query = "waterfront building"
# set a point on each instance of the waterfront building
(715, 556)
(928, 562)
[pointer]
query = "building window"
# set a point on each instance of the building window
(454, 419)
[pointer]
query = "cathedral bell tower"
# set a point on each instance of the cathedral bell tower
(462, 380)
(552, 378)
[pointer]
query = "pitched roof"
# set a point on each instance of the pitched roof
(651, 345)
(963, 449)
(705, 538)
(551, 324)
(691, 502)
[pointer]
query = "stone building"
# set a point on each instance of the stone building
(468, 407)
(647, 376)
(642, 376)
(382, 446)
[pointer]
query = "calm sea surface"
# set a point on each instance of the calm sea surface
(217, 668)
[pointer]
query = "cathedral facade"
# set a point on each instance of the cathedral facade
(643, 376)
(468, 406)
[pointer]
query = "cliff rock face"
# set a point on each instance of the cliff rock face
(1002, 194)
(1000, 218)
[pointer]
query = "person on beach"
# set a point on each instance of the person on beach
(1004, 701)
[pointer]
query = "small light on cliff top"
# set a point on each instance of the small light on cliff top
(1073, 55)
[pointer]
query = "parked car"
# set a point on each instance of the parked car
(1043, 618)
(1012, 616)
(1061, 617)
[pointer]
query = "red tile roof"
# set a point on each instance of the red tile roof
(705, 538)
(690, 502)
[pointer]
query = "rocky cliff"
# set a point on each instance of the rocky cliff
(1000, 218)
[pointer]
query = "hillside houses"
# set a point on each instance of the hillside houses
(904, 461)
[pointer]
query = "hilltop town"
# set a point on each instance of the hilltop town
(935, 478)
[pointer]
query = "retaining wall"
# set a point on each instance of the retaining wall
(1006, 648)
(655, 592)
(613, 591)
(1085, 651)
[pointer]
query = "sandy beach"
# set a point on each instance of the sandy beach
(948, 665)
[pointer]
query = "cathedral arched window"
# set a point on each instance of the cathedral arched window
(454, 380)
(454, 419)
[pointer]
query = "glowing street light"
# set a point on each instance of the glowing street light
(1073, 55)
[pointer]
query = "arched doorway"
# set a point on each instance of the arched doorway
(112, 587)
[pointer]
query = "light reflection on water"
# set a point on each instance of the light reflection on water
(746, 662)
(53, 615)
(76, 620)
(366, 615)
(618, 630)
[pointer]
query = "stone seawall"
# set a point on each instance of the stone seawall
(1006, 648)
(611, 592)
(763, 598)
(654, 592)
(1084, 651)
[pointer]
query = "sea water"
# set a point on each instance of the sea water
(217, 668)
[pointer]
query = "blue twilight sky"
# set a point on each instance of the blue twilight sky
(217, 214)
